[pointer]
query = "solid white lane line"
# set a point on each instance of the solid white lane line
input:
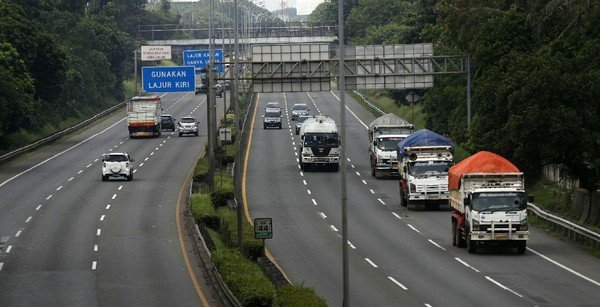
(333, 228)
(146, 159)
(98, 231)
(381, 201)
(364, 181)
(396, 215)
(357, 173)
(114, 196)
(71, 178)
(397, 283)
(102, 217)
(502, 286)
(28, 219)
(80, 171)
(308, 191)
(107, 207)
(38, 207)
(304, 181)
(95, 247)
(565, 267)
(371, 262)
(314, 202)
(58, 154)
(437, 245)
(18, 233)
(8, 249)
(50, 196)
(466, 264)
(372, 192)
(413, 228)
(88, 165)
(59, 188)
(323, 216)
(351, 245)
(120, 187)
(94, 264)
(366, 127)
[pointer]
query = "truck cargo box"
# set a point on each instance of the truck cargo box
(481, 162)
(422, 138)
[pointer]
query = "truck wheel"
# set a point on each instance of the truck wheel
(373, 173)
(402, 198)
(196, 134)
(521, 247)
(471, 246)
(130, 177)
(335, 167)
(180, 134)
(104, 178)
(454, 234)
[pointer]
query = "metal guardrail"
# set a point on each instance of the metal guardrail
(58, 134)
(573, 229)
(374, 107)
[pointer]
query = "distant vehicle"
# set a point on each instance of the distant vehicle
(320, 144)
(273, 106)
(187, 125)
(143, 116)
(272, 118)
(299, 122)
(167, 122)
(384, 134)
(299, 109)
(489, 206)
(117, 164)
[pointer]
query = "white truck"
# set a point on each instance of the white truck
(384, 134)
(144, 116)
(319, 144)
(424, 160)
(489, 206)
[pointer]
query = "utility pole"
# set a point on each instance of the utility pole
(468, 68)
(342, 88)
(210, 101)
(135, 72)
(236, 106)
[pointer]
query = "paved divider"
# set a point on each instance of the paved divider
(58, 134)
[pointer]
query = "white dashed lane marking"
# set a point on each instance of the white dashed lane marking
(98, 231)
(437, 245)
(71, 178)
(333, 228)
(397, 283)
(413, 228)
(381, 201)
(28, 219)
(364, 181)
(107, 207)
(49, 196)
(308, 191)
(114, 196)
(38, 207)
(8, 249)
(59, 188)
(102, 217)
(351, 245)
(466, 264)
(371, 262)
(94, 264)
(95, 247)
(120, 187)
(18, 233)
(503, 286)
(396, 215)
(314, 202)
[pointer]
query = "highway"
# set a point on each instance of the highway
(74, 240)
(397, 257)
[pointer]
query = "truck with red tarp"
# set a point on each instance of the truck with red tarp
(489, 206)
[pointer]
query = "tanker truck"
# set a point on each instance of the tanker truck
(384, 134)
(319, 144)
(487, 196)
(424, 159)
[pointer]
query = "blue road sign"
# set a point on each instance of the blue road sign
(168, 79)
(200, 58)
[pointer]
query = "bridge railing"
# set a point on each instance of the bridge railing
(167, 32)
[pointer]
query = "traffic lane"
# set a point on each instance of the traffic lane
(538, 295)
(306, 246)
(140, 261)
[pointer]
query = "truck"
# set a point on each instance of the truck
(487, 196)
(424, 160)
(384, 134)
(319, 144)
(144, 116)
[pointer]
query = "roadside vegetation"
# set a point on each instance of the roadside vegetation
(240, 270)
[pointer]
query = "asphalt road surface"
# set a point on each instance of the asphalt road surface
(74, 240)
(397, 257)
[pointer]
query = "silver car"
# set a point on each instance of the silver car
(188, 125)
(299, 109)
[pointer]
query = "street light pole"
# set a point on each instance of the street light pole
(234, 96)
(210, 102)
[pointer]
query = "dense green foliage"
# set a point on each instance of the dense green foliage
(535, 76)
(298, 296)
(63, 60)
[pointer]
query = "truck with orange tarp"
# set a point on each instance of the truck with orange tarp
(489, 205)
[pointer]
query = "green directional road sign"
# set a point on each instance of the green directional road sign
(263, 228)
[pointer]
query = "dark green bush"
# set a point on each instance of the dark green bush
(223, 189)
(252, 247)
(203, 211)
(298, 296)
(201, 170)
(244, 278)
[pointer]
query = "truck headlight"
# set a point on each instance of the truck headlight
(524, 225)
(412, 187)
(475, 225)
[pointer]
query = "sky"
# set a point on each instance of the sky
(304, 7)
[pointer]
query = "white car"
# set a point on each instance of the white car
(117, 164)
(188, 125)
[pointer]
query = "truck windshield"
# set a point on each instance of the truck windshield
(321, 139)
(422, 168)
(388, 143)
(501, 201)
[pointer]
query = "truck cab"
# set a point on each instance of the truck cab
(320, 144)
(384, 157)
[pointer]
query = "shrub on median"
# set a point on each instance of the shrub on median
(223, 189)
(203, 210)
(252, 247)
(244, 278)
(298, 296)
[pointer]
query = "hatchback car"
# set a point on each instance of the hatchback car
(188, 125)
(299, 109)
(117, 164)
(167, 122)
